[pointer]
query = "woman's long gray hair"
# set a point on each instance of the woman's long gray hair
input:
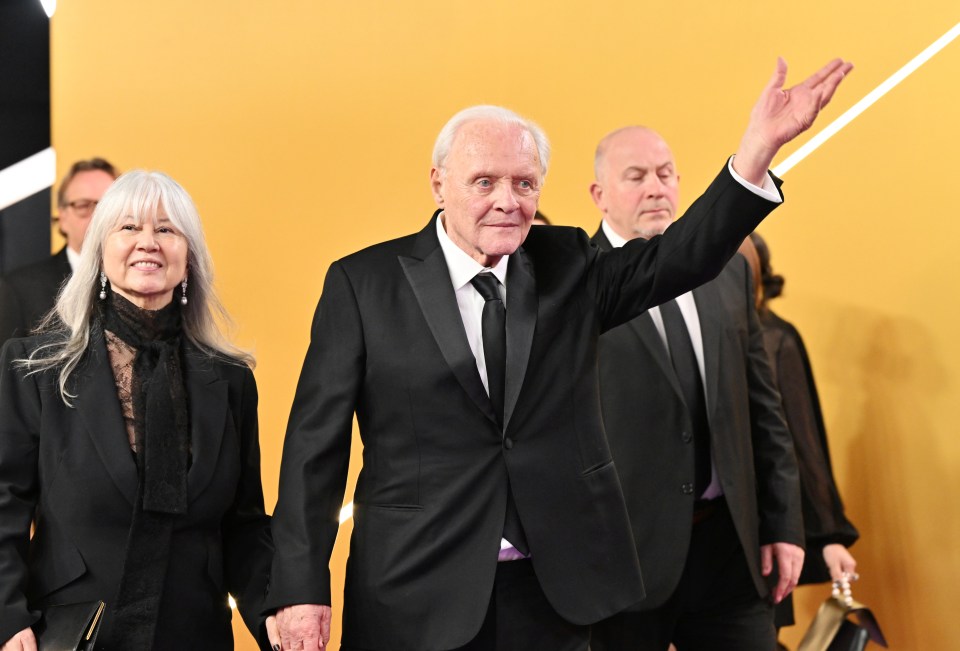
(142, 195)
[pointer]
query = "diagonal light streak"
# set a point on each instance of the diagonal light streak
(865, 103)
(27, 177)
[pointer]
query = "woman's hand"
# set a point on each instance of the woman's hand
(22, 641)
(272, 633)
(839, 561)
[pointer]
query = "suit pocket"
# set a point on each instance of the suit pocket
(393, 507)
(597, 468)
(53, 566)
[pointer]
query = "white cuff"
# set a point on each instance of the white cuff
(768, 191)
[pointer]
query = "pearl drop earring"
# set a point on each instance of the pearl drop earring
(183, 287)
(103, 286)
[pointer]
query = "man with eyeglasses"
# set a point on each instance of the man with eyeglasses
(28, 293)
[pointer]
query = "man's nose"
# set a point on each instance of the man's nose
(506, 198)
(655, 187)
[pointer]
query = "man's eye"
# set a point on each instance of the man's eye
(484, 183)
(526, 185)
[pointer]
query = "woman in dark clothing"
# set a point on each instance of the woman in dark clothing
(128, 439)
(828, 531)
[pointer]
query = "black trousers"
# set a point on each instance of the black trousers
(714, 608)
(519, 617)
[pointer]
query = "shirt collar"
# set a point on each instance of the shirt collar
(73, 258)
(461, 266)
(615, 240)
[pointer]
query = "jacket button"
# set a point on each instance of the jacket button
(508, 443)
(687, 437)
(687, 489)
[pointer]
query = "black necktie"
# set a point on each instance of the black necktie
(494, 328)
(688, 374)
(493, 324)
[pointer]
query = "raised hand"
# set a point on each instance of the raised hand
(781, 114)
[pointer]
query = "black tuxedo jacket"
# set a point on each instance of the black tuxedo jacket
(388, 344)
(70, 471)
(647, 425)
(28, 293)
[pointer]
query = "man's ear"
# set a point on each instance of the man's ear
(436, 185)
(596, 191)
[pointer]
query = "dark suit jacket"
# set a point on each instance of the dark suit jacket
(647, 424)
(824, 519)
(71, 471)
(388, 344)
(28, 293)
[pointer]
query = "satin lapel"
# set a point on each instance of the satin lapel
(208, 401)
(429, 278)
(98, 405)
(708, 305)
(645, 329)
(522, 305)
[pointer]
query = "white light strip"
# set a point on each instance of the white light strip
(49, 6)
(346, 512)
(27, 177)
(865, 103)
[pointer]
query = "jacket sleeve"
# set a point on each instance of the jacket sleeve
(247, 542)
(316, 450)
(19, 486)
(693, 250)
(775, 464)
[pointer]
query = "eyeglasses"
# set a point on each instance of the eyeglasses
(82, 206)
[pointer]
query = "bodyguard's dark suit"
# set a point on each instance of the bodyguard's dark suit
(388, 343)
(647, 425)
(71, 470)
(28, 293)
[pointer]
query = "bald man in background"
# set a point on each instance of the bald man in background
(695, 427)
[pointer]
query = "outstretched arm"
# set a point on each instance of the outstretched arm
(781, 114)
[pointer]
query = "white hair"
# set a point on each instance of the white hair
(441, 148)
(142, 195)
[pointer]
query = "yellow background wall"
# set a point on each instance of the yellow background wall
(303, 129)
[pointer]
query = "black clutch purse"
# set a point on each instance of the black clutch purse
(71, 627)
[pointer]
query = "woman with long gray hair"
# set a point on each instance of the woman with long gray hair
(129, 442)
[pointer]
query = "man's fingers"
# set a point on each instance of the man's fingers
(766, 560)
(779, 76)
(823, 73)
(830, 85)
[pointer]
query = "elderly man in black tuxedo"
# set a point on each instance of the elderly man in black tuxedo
(488, 513)
(696, 429)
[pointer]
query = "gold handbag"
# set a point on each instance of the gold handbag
(832, 630)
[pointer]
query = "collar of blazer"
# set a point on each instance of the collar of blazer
(708, 305)
(99, 409)
(426, 272)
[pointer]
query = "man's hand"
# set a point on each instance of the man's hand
(789, 563)
(839, 561)
(780, 115)
(22, 641)
(304, 627)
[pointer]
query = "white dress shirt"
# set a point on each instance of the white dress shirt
(462, 269)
